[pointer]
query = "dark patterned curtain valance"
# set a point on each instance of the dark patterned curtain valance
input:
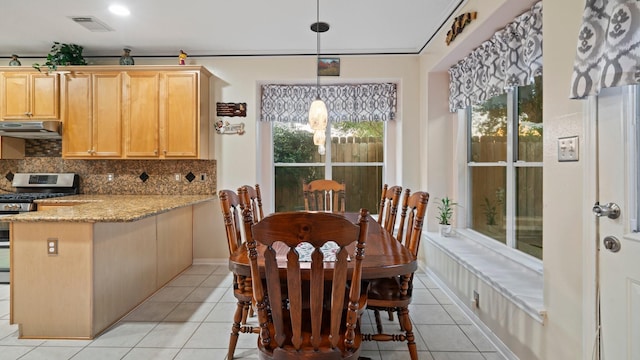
(511, 57)
(345, 102)
(608, 51)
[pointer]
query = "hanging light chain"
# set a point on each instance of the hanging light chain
(317, 48)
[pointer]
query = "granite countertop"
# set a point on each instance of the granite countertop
(106, 208)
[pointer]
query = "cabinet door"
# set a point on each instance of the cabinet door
(76, 129)
(179, 114)
(44, 96)
(30, 96)
(107, 114)
(15, 95)
(142, 103)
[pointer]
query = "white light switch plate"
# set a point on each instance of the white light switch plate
(568, 148)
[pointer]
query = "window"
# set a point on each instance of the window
(355, 156)
(505, 168)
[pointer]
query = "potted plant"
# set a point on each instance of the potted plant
(445, 213)
(63, 54)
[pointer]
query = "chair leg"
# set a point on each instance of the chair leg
(246, 310)
(405, 322)
(400, 320)
(376, 313)
(235, 328)
(390, 312)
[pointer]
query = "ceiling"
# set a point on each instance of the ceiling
(223, 27)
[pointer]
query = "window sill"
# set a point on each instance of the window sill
(514, 276)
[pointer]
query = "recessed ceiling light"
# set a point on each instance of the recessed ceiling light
(119, 10)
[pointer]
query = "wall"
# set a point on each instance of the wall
(563, 334)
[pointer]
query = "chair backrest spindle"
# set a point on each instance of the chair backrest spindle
(388, 209)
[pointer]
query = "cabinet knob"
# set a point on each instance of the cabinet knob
(165, 152)
(155, 152)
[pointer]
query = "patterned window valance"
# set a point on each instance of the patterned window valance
(512, 57)
(608, 51)
(345, 102)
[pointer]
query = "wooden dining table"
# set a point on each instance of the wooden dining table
(384, 255)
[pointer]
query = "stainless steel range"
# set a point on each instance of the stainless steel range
(29, 187)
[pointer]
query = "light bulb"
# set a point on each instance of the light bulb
(318, 115)
(319, 137)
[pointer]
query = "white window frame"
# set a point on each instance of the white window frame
(266, 166)
(464, 188)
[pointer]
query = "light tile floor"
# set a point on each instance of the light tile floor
(190, 319)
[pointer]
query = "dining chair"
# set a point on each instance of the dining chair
(255, 199)
(324, 195)
(303, 308)
(387, 212)
(232, 204)
(389, 201)
(394, 293)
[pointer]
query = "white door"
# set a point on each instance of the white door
(619, 271)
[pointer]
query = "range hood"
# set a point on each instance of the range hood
(30, 129)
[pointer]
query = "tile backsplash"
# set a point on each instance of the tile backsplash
(126, 175)
(42, 147)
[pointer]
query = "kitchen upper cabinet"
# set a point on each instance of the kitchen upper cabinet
(92, 114)
(141, 116)
(29, 95)
(166, 114)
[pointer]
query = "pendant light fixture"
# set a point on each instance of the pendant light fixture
(318, 110)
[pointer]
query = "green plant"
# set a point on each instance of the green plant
(445, 210)
(489, 211)
(63, 54)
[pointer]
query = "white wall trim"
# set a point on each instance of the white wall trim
(590, 239)
(499, 345)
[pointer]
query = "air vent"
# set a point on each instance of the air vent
(91, 23)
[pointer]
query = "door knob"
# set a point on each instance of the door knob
(612, 243)
(610, 210)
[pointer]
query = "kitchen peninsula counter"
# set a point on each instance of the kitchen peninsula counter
(82, 262)
(105, 208)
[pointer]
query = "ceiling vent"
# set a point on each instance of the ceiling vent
(91, 23)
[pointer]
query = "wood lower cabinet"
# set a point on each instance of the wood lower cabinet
(174, 243)
(167, 114)
(101, 271)
(92, 114)
(29, 95)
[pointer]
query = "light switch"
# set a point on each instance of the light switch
(568, 148)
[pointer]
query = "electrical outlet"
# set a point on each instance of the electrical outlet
(177, 177)
(476, 299)
(568, 148)
(203, 177)
(109, 177)
(52, 246)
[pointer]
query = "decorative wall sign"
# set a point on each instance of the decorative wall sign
(224, 127)
(329, 67)
(231, 109)
(458, 25)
